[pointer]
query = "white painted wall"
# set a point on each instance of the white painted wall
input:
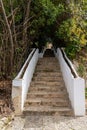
(75, 86)
(24, 83)
(28, 76)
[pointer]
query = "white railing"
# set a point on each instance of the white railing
(75, 85)
(21, 83)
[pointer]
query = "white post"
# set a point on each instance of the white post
(79, 97)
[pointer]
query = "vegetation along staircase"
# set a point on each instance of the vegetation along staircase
(47, 93)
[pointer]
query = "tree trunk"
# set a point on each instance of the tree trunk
(13, 22)
(9, 31)
(25, 23)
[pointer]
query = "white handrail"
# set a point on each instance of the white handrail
(21, 85)
(70, 63)
(75, 85)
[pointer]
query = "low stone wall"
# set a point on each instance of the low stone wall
(75, 85)
(20, 85)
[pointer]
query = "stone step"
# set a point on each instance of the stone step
(46, 65)
(47, 71)
(47, 102)
(48, 78)
(52, 61)
(47, 88)
(63, 111)
(48, 74)
(58, 70)
(50, 64)
(48, 59)
(47, 83)
(47, 94)
(49, 91)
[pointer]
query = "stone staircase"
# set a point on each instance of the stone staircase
(47, 93)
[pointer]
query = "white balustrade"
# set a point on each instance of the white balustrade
(75, 85)
(20, 84)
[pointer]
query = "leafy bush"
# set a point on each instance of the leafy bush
(81, 70)
(73, 31)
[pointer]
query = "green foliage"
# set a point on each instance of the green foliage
(57, 21)
(45, 14)
(73, 31)
(86, 93)
(71, 50)
(81, 70)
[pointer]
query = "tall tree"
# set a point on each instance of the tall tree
(9, 31)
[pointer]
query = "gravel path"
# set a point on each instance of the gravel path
(48, 123)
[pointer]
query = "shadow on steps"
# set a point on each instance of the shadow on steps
(49, 53)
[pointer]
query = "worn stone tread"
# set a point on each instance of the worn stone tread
(47, 89)
(49, 83)
(44, 102)
(47, 86)
(48, 109)
(49, 79)
(48, 73)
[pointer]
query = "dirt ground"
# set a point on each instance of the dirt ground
(6, 106)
